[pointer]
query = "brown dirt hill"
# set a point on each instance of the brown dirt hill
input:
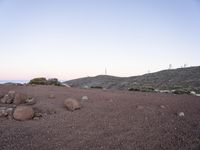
(166, 79)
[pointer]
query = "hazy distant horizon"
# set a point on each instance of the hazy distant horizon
(73, 39)
(63, 80)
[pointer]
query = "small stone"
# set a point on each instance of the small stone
(86, 87)
(23, 113)
(84, 98)
(3, 112)
(72, 104)
(181, 114)
(162, 106)
(140, 107)
(37, 114)
(51, 96)
(9, 111)
(197, 94)
(36, 118)
(30, 101)
(193, 92)
(10, 117)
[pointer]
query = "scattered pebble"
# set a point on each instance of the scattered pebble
(36, 118)
(181, 114)
(30, 101)
(84, 98)
(140, 107)
(3, 112)
(162, 106)
(51, 96)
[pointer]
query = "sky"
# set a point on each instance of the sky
(68, 39)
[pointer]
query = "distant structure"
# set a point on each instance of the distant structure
(170, 66)
(105, 71)
(185, 65)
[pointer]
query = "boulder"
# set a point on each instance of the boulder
(19, 98)
(72, 104)
(4, 99)
(23, 113)
(11, 94)
(7, 99)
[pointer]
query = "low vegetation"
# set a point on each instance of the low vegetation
(142, 89)
(96, 87)
(44, 81)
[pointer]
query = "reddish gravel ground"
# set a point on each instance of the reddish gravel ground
(109, 120)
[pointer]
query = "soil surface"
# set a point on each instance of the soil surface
(108, 120)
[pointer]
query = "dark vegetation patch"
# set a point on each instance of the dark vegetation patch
(44, 81)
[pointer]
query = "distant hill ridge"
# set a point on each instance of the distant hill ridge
(167, 79)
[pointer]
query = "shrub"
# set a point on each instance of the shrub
(142, 89)
(44, 81)
(53, 81)
(39, 81)
(147, 89)
(181, 91)
(96, 87)
(134, 89)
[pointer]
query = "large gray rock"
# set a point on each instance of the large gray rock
(23, 113)
(72, 104)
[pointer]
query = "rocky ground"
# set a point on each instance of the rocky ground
(96, 119)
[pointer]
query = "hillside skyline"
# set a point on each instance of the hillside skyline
(73, 39)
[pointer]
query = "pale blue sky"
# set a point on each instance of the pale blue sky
(76, 38)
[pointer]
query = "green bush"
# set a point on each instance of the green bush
(39, 81)
(44, 81)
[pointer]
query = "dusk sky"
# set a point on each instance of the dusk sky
(69, 39)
